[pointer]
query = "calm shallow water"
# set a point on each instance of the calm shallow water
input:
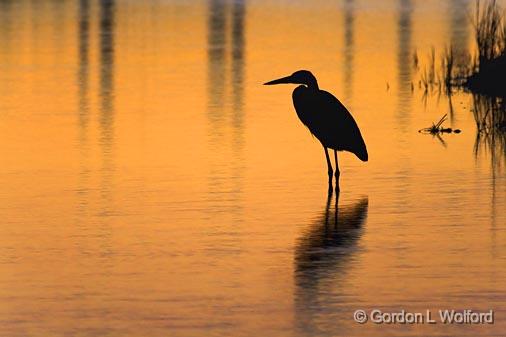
(152, 186)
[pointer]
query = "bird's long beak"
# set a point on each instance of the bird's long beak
(287, 79)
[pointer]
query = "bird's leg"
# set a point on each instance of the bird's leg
(337, 172)
(329, 165)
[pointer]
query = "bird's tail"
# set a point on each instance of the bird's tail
(361, 152)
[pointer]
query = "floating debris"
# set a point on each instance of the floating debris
(437, 128)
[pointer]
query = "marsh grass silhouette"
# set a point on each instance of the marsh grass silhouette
(484, 76)
(438, 128)
(490, 116)
(442, 73)
(428, 76)
(489, 67)
(483, 73)
(447, 68)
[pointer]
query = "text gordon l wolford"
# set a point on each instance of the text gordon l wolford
(443, 316)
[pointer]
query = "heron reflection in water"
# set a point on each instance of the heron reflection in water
(330, 240)
(323, 256)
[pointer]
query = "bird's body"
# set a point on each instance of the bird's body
(329, 121)
(326, 118)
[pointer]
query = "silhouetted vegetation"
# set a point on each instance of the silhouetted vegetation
(447, 65)
(489, 67)
(454, 73)
(490, 116)
(484, 75)
(448, 75)
(487, 82)
(437, 128)
(428, 76)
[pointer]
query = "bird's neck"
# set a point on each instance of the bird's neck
(312, 84)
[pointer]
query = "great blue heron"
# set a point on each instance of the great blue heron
(327, 119)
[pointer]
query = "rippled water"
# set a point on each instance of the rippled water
(151, 186)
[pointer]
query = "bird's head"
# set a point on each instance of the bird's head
(299, 77)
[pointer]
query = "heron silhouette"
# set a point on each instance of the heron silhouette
(326, 118)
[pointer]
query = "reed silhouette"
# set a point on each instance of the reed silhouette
(326, 118)
(489, 68)
(490, 116)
